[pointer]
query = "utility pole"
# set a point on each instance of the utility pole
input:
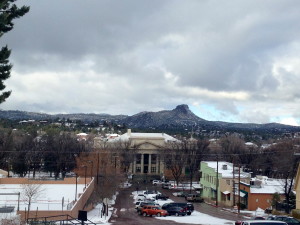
(233, 183)
(239, 185)
(98, 167)
(217, 181)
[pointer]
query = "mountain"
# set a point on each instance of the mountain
(180, 118)
(90, 117)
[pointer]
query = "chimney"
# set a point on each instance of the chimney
(129, 132)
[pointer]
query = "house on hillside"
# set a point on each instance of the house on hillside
(260, 191)
(220, 182)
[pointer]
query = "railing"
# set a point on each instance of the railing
(50, 220)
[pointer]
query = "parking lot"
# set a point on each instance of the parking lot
(126, 214)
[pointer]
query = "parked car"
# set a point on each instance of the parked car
(151, 192)
(288, 219)
(137, 204)
(260, 222)
(142, 204)
(156, 182)
(180, 194)
(151, 210)
(140, 197)
(162, 197)
(188, 207)
(175, 210)
(258, 218)
(165, 186)
(194, 198)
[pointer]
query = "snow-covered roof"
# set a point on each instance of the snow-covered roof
(81, 134)
(250, 144)
(129, 136)
(267, 185)
(226, 169)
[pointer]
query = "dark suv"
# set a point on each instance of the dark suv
(188, 207)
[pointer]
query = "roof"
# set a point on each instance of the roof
(226, 169)
(82, 134)
(267, 186)
(127, 136)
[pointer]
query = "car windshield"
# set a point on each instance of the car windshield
(291, 220)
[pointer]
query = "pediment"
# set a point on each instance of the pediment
(148, 145)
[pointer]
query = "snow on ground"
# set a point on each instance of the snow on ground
(96, 216)
(195, 218)
(50, 196)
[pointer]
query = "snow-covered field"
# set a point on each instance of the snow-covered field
(50, 196)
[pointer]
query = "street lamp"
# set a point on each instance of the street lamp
(85, 168)
(76, 187)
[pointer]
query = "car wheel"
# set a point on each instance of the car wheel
(176, 214)
(144, 214)
(158, 214)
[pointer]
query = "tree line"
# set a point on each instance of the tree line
(24, 153)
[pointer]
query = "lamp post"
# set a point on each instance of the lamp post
(85, 168)
(76, 188)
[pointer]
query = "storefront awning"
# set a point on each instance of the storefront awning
(226, 192)
(242, 194)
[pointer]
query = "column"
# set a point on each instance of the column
(157, 164)
(134, 165)
(142, 163)
(149, 164)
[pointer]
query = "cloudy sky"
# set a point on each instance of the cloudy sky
(235, 61)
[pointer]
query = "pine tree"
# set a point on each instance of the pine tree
(8, 12)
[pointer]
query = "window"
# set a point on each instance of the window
(153, 169)
(138, 169)
(153, 159)
(138, 158)
(257, 200)
(228, 197)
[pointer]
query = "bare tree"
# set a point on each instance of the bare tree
(232, 145)
(175, 159)
(30, 193)
(286, 165)
(195, 151)
(125, 151)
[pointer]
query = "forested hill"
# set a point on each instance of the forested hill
(179, 118)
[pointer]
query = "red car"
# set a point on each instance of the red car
(151, 210)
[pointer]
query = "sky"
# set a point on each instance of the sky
(233, 61)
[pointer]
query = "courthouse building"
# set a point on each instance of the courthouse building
(147, 149)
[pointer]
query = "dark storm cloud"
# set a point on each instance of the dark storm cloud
(153, 55)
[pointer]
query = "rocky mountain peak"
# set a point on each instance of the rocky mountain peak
(183, 109)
